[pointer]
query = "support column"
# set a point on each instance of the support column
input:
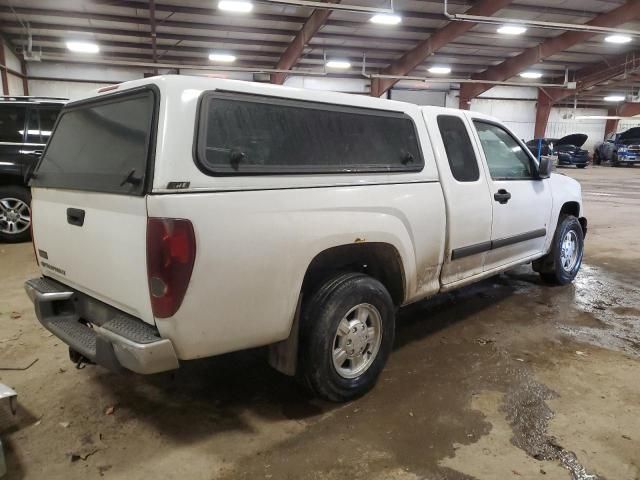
(3, 70)
(464, 100)
(25, 78)
(612, 124)
(543, 110)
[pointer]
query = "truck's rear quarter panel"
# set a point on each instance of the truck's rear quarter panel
(253, 249)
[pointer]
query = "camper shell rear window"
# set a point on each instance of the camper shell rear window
(102, 145)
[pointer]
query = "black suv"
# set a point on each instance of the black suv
(25, 127)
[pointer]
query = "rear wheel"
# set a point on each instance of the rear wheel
(347, 330)
(597, 160)
(560, 266)
(15, 214)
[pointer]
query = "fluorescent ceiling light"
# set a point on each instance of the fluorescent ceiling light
(338, 64)
(222, 57)
(237, 6)
(440, 70)
(531, 74)
(386, 19)
(511, 30)
(618, 39)
(83, 47)
(614, 98)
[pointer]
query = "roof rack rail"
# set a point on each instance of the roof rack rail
(24, 98)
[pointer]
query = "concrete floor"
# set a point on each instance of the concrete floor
(505, 379)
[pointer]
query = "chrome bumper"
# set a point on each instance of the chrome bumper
(117, 340)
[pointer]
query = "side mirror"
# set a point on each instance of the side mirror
(544, 168)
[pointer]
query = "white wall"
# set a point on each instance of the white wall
(103, 75)
(52, 79)
(518, 115)
(14, 82)
(562, 122)
(499, 101)
(420, 97)
(628, 123)
(348, 85)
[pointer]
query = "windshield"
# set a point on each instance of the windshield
(101, 146)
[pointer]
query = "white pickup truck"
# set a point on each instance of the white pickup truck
(180, 217)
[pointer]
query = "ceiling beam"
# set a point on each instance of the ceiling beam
(222, 31)
(569, 12)
(589, 77)
(424, 49)
(376, 57)
(552, 46)
(296, 48)
(402, 30)
(585, 79)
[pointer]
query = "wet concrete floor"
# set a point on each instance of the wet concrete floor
(508, 378)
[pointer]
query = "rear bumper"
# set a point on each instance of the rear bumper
(115, 341)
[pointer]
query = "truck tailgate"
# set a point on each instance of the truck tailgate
(105, 255)
(89, 199)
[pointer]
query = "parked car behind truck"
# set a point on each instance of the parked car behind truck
(567, 150)
(25, 127)
(179, 218)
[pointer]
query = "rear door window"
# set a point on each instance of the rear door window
(249, 134)
(101, 146)
(457, 144)
(12, 122)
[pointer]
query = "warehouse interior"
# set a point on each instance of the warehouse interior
(507, 378)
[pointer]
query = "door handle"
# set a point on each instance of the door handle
(75, 216)
(502, 196)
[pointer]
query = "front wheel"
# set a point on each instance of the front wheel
(560, 266)
(15, 213)
(614, 160)
(347, 330)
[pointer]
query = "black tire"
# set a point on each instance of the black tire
(597, 160)
(550, 266)
(614, 160)
(321, 316)
(581, 166)
(20, 193)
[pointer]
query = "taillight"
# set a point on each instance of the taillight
(171, 252)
